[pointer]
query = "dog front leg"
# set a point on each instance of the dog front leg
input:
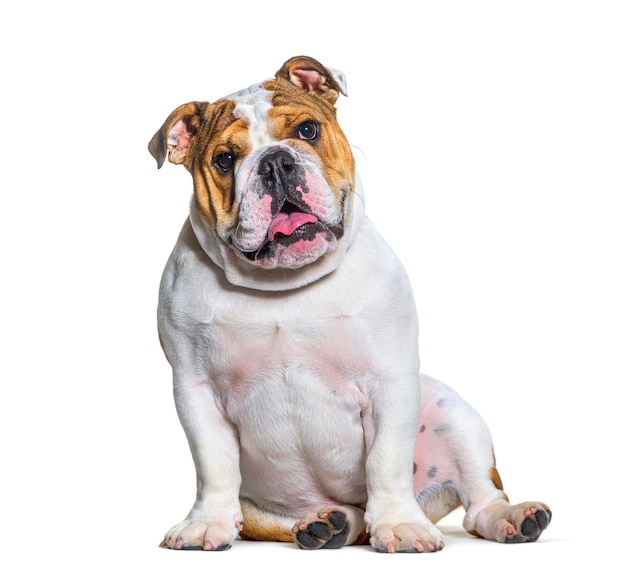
(395, 521)
(215, 519)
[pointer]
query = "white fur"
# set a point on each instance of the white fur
(298, 391)
(299, 387)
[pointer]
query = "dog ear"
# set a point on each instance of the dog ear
(310, 75)
(175, 136)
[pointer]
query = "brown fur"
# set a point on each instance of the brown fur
(253, 531)
(259, 526)
(497, 481)
(211, 129)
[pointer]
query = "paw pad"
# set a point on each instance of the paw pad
(532, 526)
(329, 532)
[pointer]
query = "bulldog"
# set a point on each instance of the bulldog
(292, 334)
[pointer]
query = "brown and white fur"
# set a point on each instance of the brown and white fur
(292, 334)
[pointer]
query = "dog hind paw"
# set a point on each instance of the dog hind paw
(509, 523)
(525, 522)
(327, 529)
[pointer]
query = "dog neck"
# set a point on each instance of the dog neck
(242, 273)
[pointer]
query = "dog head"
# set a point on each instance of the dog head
(274, 176)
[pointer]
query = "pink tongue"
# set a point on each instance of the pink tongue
(286, 223)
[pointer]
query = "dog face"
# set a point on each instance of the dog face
(272, 170)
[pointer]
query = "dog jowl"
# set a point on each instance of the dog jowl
(292, 334)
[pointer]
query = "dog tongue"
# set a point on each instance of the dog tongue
(287, 222)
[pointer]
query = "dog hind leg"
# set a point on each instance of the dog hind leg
(455, 465)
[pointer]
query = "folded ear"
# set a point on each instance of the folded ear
(314, 78)
(177, 133)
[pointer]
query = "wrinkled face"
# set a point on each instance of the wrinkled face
(272, 171)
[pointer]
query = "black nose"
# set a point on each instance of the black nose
(281, 178)
(276, 166)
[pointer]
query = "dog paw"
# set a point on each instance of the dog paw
(407, 538)
(328, 529)
(523, 523)
(201, 535)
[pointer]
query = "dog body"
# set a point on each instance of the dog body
(292, 334)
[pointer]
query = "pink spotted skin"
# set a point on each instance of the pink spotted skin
(434, 463)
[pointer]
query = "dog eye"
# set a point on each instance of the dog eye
(308, 130)
(224, 161)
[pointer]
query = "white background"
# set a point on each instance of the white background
(493, 136)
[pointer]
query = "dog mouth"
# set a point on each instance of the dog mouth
(292, 225)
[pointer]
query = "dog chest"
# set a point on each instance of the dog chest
(294, 389)
(281, 344)
(348, 330)
(301, 440)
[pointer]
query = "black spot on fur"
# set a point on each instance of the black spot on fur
(432, 472)
(422, 428)
(440, 430)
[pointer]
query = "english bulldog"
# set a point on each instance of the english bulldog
(292, 334)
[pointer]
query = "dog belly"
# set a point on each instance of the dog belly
(301, 443)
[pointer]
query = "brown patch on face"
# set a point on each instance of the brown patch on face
(196, 134)
(219, 135)
(291, 107)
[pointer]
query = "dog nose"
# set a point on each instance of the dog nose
(281, 177)
(276, 165)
